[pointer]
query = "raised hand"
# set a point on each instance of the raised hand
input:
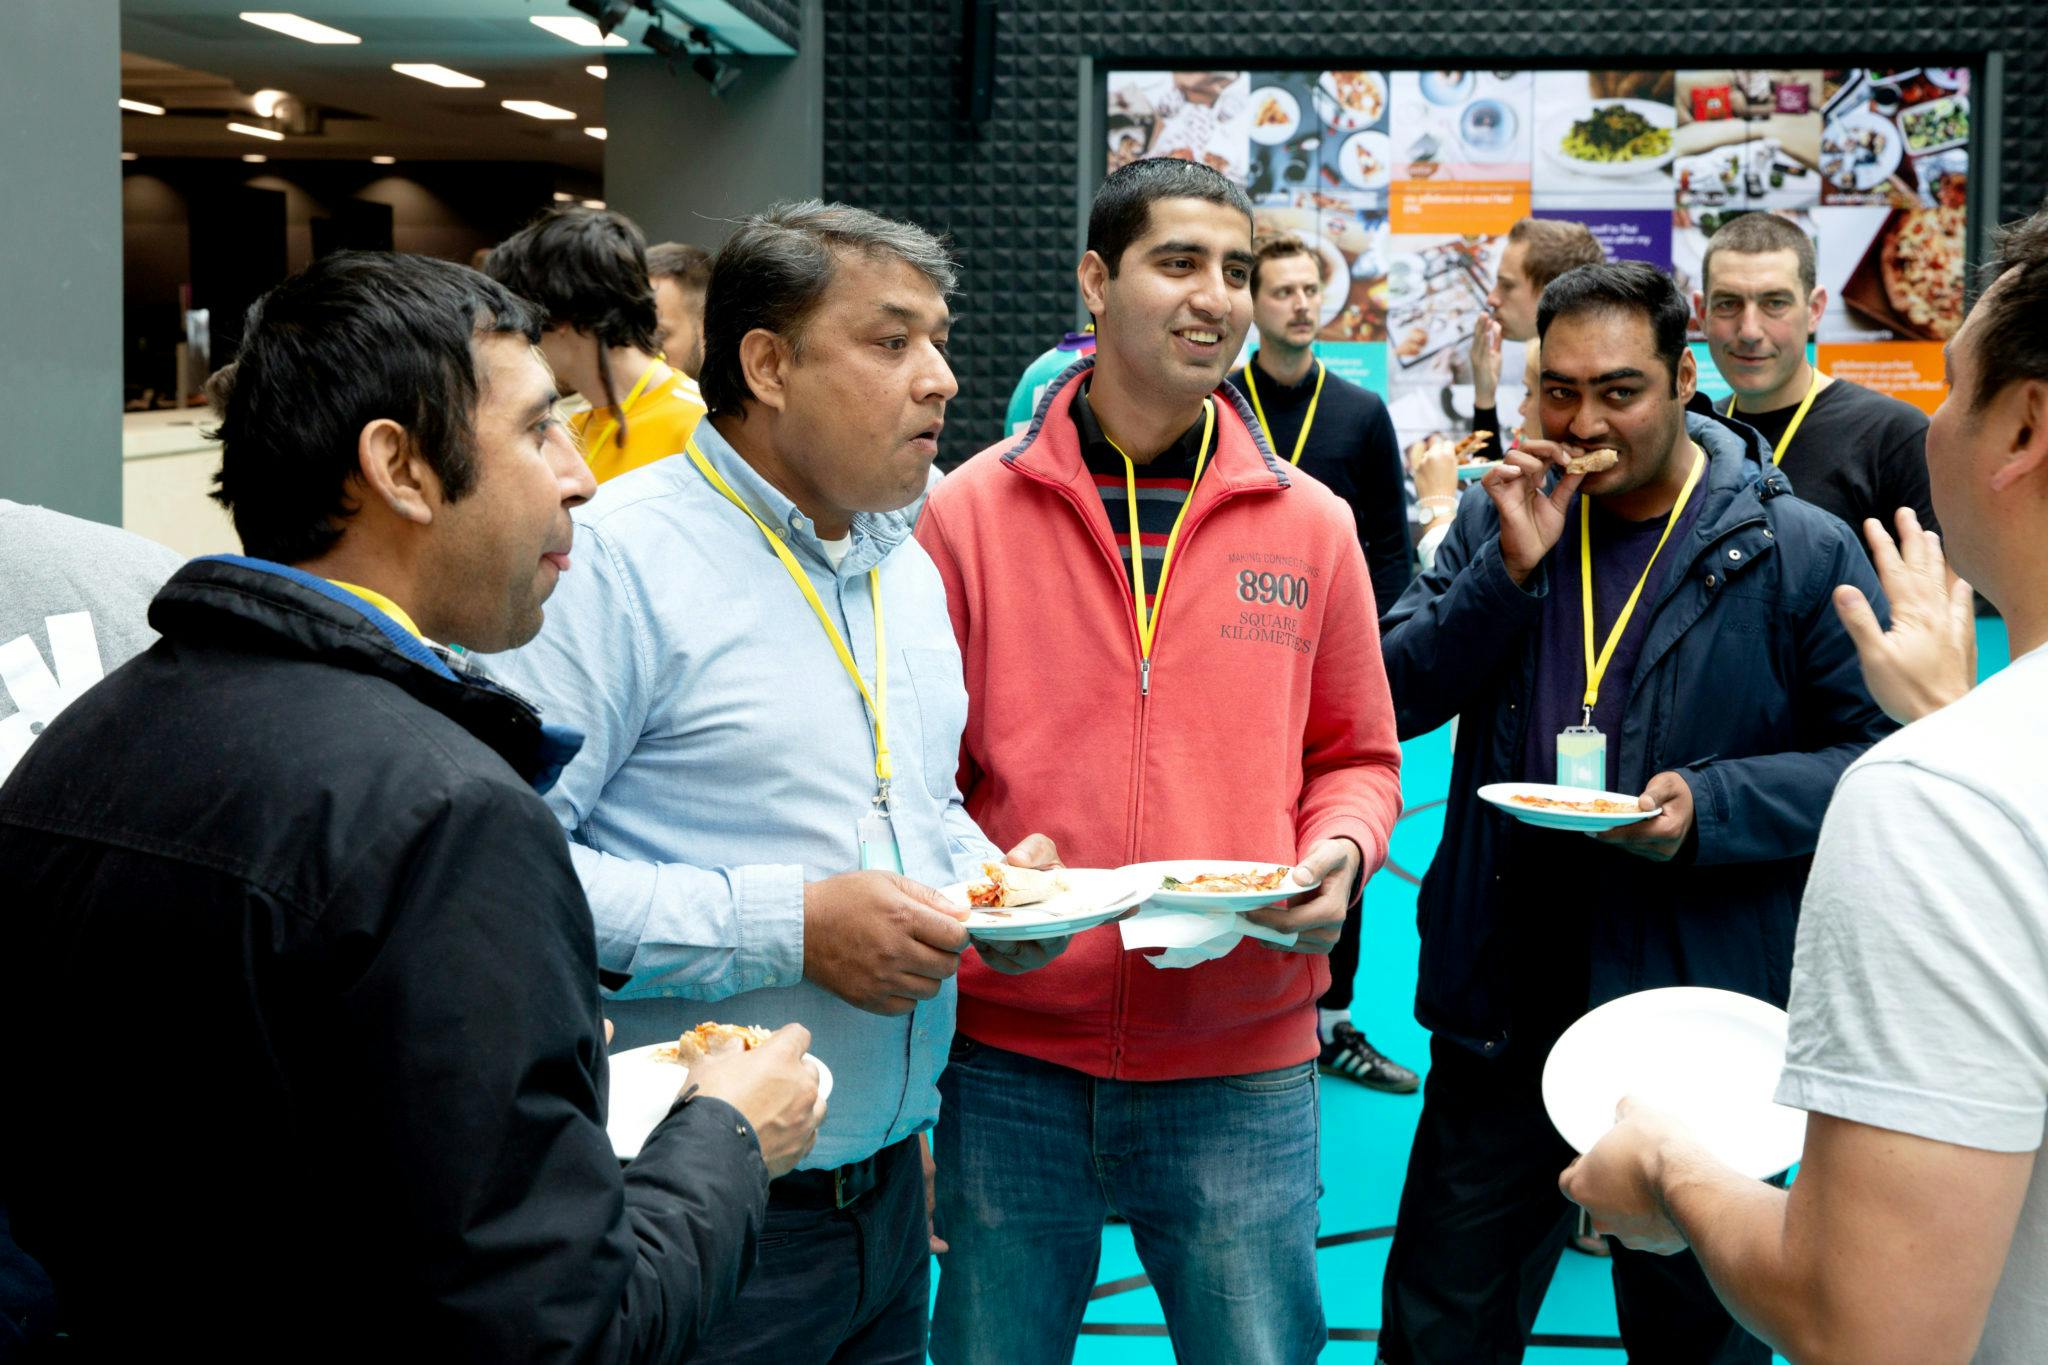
(1929, 656)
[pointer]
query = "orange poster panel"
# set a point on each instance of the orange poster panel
(1909, 371)
(1484, 208)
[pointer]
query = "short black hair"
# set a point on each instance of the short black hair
(355, 337)
(1122, 211)
(1621, 287)
(587, 269)
(772, 274)
(2011, 330)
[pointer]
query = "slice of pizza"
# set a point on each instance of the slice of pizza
(709, 1037)
(1592, 462)
(1004, 886)
(1229, 882)
(1471, 445)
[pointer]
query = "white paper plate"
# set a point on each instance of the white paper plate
(1094, 896)
(1273, 134)
(1554, 129)
(1710, 1057)
(1366, 160)
(644, 1089)
(1502, 794)
(1184, 869)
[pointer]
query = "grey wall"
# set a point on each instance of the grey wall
(679, 161)
(60, 255)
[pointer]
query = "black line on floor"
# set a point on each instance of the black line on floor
(1158, 1329)
(1399, 871)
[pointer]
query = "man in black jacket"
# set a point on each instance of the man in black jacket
(340, 1094)
(1340, 434)
(1723, 689)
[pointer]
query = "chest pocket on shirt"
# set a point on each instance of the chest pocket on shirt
(941, 692)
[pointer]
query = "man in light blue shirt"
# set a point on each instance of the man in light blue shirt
(733, 765)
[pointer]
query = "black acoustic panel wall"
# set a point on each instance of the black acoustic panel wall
(1005, 191)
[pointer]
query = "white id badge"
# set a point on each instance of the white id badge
(878, 849)
(1581, 757)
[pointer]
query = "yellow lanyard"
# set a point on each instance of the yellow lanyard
(1251, 385)
(878, 700)
(1785, 441)
(625, 409)
(1597, 668)
(1148, 621)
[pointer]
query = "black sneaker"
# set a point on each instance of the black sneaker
(1348, 1055)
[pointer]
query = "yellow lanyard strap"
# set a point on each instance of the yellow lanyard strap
(1148, 621)
(1597, 668)
(1785, 441)
(1251, 384)
(878, 700)
(625, 409)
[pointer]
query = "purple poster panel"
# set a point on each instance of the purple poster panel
(1625, 234)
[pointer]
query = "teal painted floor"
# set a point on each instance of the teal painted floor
(1366, 1135)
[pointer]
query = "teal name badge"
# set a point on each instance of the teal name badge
(1582, 758)
(878, 848)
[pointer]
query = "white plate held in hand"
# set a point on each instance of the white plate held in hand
(1187, 869)
(1709, 1057)
(1093, 896)
(644, 1088)
(1505, 795)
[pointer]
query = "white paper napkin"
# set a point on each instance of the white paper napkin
(1191, 937)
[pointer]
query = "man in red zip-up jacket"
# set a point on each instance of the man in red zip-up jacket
(1234, 707)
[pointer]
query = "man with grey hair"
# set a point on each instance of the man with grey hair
(762, 662)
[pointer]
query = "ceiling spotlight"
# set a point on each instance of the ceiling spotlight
(251, 130)
(254, 158)
(581, 32)
(265, 102)
(718, 73)
(600, 72)
(383, 161)
(127, 156)
(138, 107)
(593, 203)
(664, 44)
(563, 197)
(597, 133)
(608, 14)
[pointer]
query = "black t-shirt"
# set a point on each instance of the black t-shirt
(1352, 451)
(1858, 454)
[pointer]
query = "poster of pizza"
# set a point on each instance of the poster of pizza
(1404, 183)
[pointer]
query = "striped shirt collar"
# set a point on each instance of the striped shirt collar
(1177, 461)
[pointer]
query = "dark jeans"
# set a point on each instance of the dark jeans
(849, 1286)
(1217, 1178)
(1482, 1225)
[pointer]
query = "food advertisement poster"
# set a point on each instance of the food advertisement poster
(1405, 183)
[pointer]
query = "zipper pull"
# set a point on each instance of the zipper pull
(1144, 677)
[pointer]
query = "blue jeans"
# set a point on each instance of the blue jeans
(1218, 1179)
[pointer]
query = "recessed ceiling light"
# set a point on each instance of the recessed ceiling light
(292, 26)
(437, 75)
(383, 161)
(593, 203)
(597, 133)
(255, 158)
(127, 156)
(538, 109)
(600, 72)
(138, 107)
(251, 130)
(581, 32)
(265, 102)
(562, 198)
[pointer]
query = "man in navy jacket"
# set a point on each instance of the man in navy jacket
(1731, 699)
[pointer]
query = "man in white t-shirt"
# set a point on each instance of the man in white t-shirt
(1917, 1229)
